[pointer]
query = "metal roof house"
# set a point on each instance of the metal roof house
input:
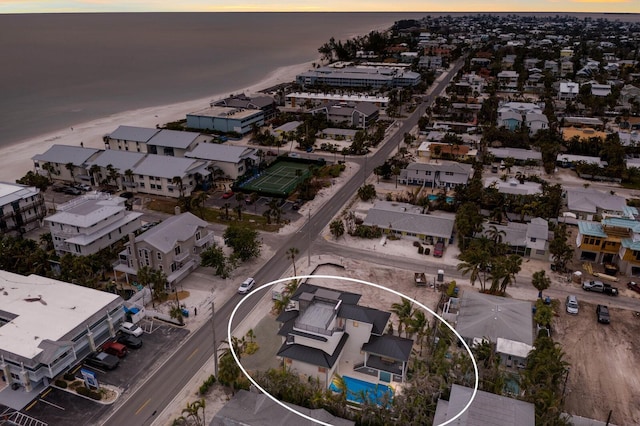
(48, 327)
(587, 203)
(256, 409)
(525, 239)
(90, 223)
(361, 115)
(129, 138)
(409, 221)
(59, 156)
(482, 316)
(436, 175)
(486, 409)
(233, 161)
(21, 208)
(114, 166)
(325, 327)
(155, 175)
(173, 246)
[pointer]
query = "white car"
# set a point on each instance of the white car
(246, 286)
(131, 328)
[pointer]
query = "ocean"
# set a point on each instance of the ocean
(59, 70)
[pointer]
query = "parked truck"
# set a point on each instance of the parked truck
(421, 279)
(600, 287)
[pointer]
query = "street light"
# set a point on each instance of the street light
(215, 347)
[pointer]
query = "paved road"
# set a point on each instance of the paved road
(158, 391)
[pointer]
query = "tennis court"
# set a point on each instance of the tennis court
(278, 180)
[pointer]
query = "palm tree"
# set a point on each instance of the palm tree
(49, 168)
(177, 181)
(71, 167)
(198, 202)
(404, 313)
(155, 279)
(419, 324)
(541, 282)
(129, 175)
(337, 228)
(291, 255)
(512, 265)
(93, 172)
(495, 235)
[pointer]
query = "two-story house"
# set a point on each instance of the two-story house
(173, 247)
(325, 327)
(436, 175)
(114, 167)
(587, 203)
(65, 162)
(21, 208)
(169, 176)
(232, 161)
(90, 223)
(525, 239)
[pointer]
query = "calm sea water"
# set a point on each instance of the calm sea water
(58, 70)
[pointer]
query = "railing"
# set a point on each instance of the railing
(202, 241)
(182, 256)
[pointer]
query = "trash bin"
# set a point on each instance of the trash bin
(440, 275)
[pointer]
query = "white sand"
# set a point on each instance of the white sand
(15, 160)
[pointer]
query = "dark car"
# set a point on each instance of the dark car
(130, 341)
(602, 312)
(128, 195)
(102, 360)
(71, 190)
(115, 348)
(633, 286)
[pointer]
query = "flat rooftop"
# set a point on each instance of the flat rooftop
(226, 112)
(318, 314)
(35, 308)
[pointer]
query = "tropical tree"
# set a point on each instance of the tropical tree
(404, 312)
(191, 414)
(419, 326)
(50, 169)
(468, 222)
(129, 175)
(337, 228)
(541, 282)
(476, 261)
(197, 202)
(244, 242)
(154, 279)
(275, 211)
(291, 254)
(560, 250)
(71, 168)
(177, 181)
(496, 235)
(367, 192)
(214, 257)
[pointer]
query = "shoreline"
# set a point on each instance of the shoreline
(15, 159)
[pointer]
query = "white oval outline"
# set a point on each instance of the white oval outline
(381, 287)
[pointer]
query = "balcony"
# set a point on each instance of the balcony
(182, 256)
(204, 240)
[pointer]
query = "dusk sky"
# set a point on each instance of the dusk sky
(58, 6)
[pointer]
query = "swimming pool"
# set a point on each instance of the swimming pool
(357, 389)
(433, 197)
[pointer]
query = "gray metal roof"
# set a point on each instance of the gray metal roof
(313, 356)
(486, 409)
(288, 126)
(64, 154)
(389, 346)
(367, 315)
(169, 232)
(250, 408)
(165, 166)
(173, 138)
(443, 167)
(482, 315)
(87, 210)
(120, 160)
(516, 153)
(135, 134)
(406, 221)
(10, 192)
(590, 201)
(220, 152)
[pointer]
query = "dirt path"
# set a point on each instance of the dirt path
(602, 358)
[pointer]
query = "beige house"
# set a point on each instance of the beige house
(173, 247)
(155, 175)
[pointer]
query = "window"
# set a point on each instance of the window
(159, 255)
(177, 250)
(152, 186)
(533, 240)
(159, 187)
(322, 370)
(198, 235)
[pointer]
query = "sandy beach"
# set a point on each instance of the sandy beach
(15, 160)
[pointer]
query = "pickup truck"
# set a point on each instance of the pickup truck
(600, 287)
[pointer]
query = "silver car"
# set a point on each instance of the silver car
(246, 286)
(572, 305)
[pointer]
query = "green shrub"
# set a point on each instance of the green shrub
(204, 388)
(69, 377)
(61, 384)
(451, 290)
(89, 393)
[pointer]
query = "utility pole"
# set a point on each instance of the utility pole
(309, 239)
(215, 344)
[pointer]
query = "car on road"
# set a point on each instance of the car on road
(130, 341)
(82, 187)
(602, 312)
(571, 305)
(246, 286)
(102, 360)
(294, 155)
(127, 194)
(71, 190)
(227, 195)
(147, 226)
(600, 287)
(115, 348)
(633, 286)
(438, 250)
(131, 328)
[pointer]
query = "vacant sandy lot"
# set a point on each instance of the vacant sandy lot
(602, 358)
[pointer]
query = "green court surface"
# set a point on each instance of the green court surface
(278, 180)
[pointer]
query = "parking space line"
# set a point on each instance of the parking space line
(46, 393)
(31, 405)
(192, 354)
(143, 405)
(53, 405)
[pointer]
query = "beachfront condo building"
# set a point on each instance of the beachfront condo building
(21, 208)
(173, 143)
(226, 119)
(359, 76)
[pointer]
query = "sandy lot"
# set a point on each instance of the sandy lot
(602, 358)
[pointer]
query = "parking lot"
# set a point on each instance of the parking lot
(602, 374)
(59, 407)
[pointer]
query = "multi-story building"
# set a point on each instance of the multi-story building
(226, 119)
(307, 100)
(232, 161)
(173, 247)
(90, 223)
(48, 326)
(437, 175)
(65, 163)
(361, 115)
(363, 77)
(169, 176)
(21, 208)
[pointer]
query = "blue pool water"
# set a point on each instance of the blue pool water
(433, 197)
(357, 389)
